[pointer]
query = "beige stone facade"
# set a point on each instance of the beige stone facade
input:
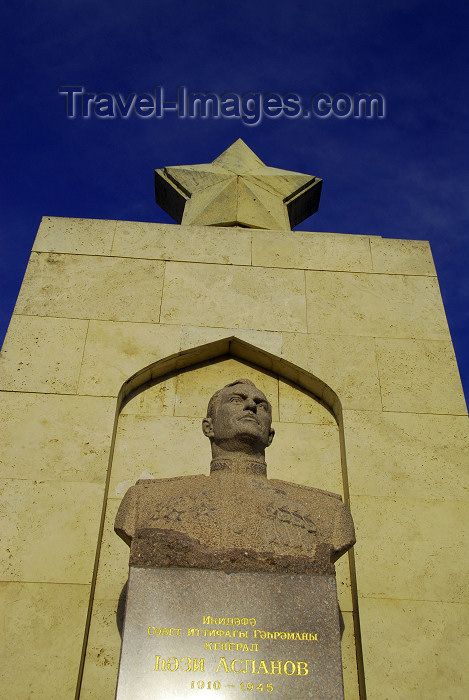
(121, 333)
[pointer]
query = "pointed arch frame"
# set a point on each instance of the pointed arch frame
(239, 349)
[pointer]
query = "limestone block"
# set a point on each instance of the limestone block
(236, 297)
(407, 454)
(155, 399)
(306, 454)
(85, 286)
(49, 529)
(424, 557)
(113, 561)
(102, 653)
(346, 364)
(159, 447)
(223, 245)
(311, 251)
(42, 354)
(50, 437)
(115, 351)
(297, 406)
(419, 376)
(107, 617)
(42, 635)
(401, 257)
(100, 674)
(344, 593)
(58, 234)
(195, 388)
(349, 660)
(193, 336)
(414, 649)
(387, 306)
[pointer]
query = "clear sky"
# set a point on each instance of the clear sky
(401, 176)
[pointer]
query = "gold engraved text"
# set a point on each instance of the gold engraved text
(230, 646)
(164, 631)
(291, 636)
(270, 667)
(173, 664)
(229, 621)
(230, 634)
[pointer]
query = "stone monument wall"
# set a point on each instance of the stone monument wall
(102, 300)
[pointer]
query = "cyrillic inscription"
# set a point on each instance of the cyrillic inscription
(186, 663)
(235, 621)
(154, 631)
(231, 645)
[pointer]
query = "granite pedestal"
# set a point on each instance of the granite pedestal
(197, 633)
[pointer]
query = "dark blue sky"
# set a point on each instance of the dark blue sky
(404, 176)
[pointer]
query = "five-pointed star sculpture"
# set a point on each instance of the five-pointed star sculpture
(237, 189)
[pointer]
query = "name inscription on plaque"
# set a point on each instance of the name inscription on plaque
(223, 664)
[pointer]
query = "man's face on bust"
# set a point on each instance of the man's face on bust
(241, 419)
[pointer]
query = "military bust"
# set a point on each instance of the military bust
(235, 519)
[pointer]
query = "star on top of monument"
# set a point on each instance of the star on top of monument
(237, 189)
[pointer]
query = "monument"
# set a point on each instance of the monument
(234, 521)
(114, 333)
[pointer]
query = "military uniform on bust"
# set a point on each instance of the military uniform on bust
(235, 519)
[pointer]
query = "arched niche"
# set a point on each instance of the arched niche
(157, 433)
